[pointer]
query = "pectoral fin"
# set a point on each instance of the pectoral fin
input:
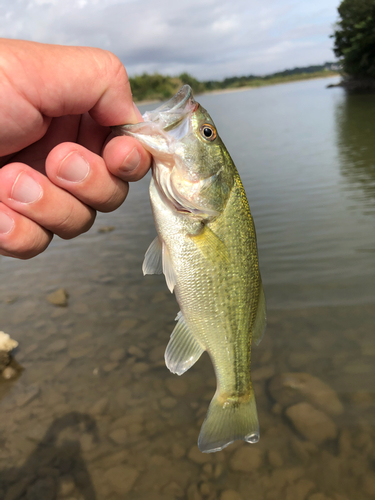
(169, 272)
(157, 260)
(210, 245)
(153, 258)
(183, 350)
(260, 320)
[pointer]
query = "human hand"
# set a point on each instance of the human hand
(56, 170)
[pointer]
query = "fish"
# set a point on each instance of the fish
(206, 247)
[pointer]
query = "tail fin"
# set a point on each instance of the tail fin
(227, 421)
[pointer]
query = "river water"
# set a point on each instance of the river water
(95, 414)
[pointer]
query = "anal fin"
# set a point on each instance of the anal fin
(183, 350)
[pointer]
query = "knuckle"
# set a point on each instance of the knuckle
(113, 198)
(73, 224)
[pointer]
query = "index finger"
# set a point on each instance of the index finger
(45, 81)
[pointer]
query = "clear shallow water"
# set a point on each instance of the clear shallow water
(96, 415)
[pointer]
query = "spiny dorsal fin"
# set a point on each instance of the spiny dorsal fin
(152, 263)
(169, 273)
(260, 320)
(183, 350)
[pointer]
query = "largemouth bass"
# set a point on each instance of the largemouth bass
(206, 248)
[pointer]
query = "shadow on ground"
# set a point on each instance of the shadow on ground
(55, 464)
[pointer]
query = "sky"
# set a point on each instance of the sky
(210, 39)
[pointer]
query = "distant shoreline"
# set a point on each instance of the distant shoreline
(259, 83)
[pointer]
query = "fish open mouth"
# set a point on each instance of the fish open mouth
(170, 114)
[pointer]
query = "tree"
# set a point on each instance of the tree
(355, 37)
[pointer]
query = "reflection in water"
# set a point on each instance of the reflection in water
(355, 124)
(55, 466)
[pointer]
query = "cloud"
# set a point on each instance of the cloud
(210, 39)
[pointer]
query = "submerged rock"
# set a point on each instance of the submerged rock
(58, 298)
(121, 478)
(313, 424)
(291, 388)
(246, 459)
(6, 343)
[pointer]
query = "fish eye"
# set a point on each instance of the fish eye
(208, 132)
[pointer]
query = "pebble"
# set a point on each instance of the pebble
(178, 451)
(174, 490)
(99, 407)
(109, 367)
(140, 367)
(291, 388)
(156, 355)
(58, 297)
(9, 373)
(318, 496)
(117, 354)
(246, 459)
(193, 493)
(275, 459)
(299, 490)
(206, 489)
(121, 478)
(219, 469)
(168, 403)
(230, 495)
(80, 351)
(57, 346)
(37, 432)
(198, 457)
(67, 486)
(119, 436)
(126, 325)
(177, 386)
(263, 373)
(136, 351)
(123, 397)
(313, 424)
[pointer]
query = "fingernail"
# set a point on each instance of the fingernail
(6, 223)
(73, 168)
(132, 161)
(26, 189)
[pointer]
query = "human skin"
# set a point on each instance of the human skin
(57, 164)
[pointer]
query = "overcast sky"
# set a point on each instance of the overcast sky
(211, 39)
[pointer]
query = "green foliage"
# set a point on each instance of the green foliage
(159, 87)
(355, 37)
(145, 87)
(196, 85)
